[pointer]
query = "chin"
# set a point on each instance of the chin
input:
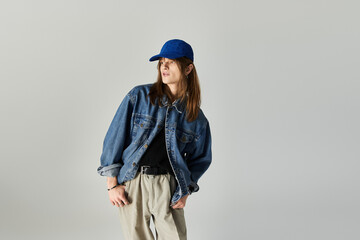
(165, 81)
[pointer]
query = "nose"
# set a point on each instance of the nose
(165, 64)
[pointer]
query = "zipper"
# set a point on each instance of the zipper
(167, 148)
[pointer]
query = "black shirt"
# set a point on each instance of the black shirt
(156, 155)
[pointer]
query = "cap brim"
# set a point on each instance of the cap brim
(165, 55)
(154, 58)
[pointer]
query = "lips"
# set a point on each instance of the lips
(165, 74)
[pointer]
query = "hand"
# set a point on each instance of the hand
(117, 196)
(181, 203)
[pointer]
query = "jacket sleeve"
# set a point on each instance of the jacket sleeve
(116, 139)
(201, 158)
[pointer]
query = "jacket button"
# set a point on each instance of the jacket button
(134, 164)
(145, 145)
(141, 125)
(183, 139)
(159, 126)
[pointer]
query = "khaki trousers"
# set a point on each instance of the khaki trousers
(150, 197)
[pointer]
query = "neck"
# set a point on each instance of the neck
(173, 89)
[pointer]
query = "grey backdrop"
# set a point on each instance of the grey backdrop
(280, 87)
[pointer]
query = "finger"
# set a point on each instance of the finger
(176, 205)
(117, 204)
(125, 200)
(181, 204)
(119, 199)
(121, 204)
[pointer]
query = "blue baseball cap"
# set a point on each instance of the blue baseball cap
(175, 48)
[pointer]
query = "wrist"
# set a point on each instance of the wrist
(111, 181)
(113, 187)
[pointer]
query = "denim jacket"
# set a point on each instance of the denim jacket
(134, 126)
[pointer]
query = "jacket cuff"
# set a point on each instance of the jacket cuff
(110, 171)
(193, 187)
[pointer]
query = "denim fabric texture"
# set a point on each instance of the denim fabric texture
(134, 126)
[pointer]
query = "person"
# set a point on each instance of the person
(157, 147)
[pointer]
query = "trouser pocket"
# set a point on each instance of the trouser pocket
(128, 188)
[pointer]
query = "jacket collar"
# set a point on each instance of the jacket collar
(179, 106)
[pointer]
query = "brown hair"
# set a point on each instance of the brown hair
(188, 89)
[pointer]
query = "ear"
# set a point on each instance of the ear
(189, 68)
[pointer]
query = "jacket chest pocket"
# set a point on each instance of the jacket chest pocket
(184, 138)
(142, 128)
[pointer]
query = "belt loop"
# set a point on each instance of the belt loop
(142, 169)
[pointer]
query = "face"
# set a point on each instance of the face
(170, 72)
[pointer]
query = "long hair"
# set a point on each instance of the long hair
(188, 89)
